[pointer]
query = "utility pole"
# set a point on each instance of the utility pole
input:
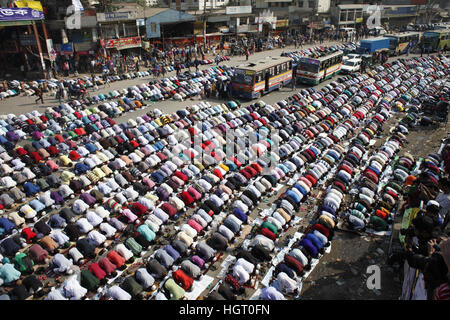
(38, 42)
(204, 23)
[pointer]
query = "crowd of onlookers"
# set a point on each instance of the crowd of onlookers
(425, 232)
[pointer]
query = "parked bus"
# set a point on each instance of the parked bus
(400, 42)
(436, 39)
(255, 79)
(313, 71)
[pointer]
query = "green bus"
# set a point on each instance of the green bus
(436, 39)
(315, 70)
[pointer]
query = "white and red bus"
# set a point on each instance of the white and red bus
(255, 79)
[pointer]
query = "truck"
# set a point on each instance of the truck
(368, 46)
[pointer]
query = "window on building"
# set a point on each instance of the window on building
(300, 4)
(343, 16)
(311, 4)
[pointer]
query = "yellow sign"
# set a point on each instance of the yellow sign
(249, 72)
(198, 27)
(358, 20)
(36, 5)
(282, 23)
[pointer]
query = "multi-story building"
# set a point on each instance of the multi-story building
(195, 5)
(296, 14)
(392, 13)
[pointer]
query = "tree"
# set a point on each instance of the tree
(104, 6)
(142, 3)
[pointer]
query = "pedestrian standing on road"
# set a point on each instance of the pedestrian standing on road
(294, 77)
(196, 63)
(66, 68)
(39, 94)
(61, 89)
(247, 53)
(22, 70)
(229, 88)
(105, 76)
(363, 66)
(92, 63)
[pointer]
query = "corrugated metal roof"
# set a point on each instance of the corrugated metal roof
(150, 12)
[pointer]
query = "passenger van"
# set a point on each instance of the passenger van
(351, 32)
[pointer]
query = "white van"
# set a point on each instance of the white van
(377, 31)
(351, 65)
(350, 32)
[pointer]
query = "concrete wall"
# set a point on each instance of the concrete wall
(168, 16)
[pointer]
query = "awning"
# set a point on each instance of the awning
(16, 23)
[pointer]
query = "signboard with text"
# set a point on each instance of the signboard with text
(66, 48)
(238, 9)
(282, 23)
(14, 14)
(123, 43)
(116, 16)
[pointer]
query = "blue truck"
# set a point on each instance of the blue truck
(368, 46)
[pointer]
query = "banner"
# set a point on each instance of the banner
(51, 51)
(36, 5)
(14, 14)
(282, 23)
(124, 43)
(66, 48)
